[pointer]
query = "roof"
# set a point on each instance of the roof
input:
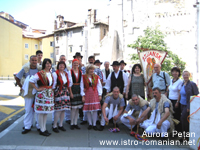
(101, 22)
(11, 22)
(78, 25)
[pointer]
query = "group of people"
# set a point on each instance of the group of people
(108, 95)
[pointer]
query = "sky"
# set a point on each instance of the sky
(40, 14)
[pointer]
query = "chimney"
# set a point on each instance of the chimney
(91, 16)
(55, 25)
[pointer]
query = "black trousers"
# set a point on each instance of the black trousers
(184, 115)
(177, 115)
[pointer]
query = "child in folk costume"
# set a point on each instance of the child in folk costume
(92, 95)
(62, 88)
(44, 99)
(77, 87)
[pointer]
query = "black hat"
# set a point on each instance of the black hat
(97, 61)
(78, 54)
(122, 62)
(115, 63)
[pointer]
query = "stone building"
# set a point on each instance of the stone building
(73, 37)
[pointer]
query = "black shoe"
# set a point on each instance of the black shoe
(61, 128)
(24, 128)
(83, 122)
(26, 131)
(44, 133)
(95, 128)
(101, 128)
(98, 122)
(72, 127)
(76, 127)
(89, 127)
(38, 130)
(68, 121)
(55, 129)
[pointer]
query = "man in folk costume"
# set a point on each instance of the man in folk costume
(112, 108)
(28, 70)
(39, 55)
(122, 66)
(137, 105)
(67, 70)
(161, 117)
(116, 78)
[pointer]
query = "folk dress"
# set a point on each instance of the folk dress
(77, 87)
(61, 85)
(44, 100)
(93, 89)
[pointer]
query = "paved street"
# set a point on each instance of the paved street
(11, 104)
(11, 117)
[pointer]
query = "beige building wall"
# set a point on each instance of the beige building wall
(27, 51)
(10, 48)
(47, 47)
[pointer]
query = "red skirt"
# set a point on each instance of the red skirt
(92, 102)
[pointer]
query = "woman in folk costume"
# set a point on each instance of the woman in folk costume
(44, 99)
(62, 89)
(92, 95)
(77, 87)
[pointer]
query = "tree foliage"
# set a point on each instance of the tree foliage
(154, 39)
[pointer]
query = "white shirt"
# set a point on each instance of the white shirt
(63, 78)
(35, 78)
(99, 87)
(126, 73)
(174, 89)
(108, 82)
(81, 83)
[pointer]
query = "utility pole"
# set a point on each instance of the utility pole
(198, 46)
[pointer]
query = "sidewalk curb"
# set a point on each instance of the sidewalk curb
(4, 132)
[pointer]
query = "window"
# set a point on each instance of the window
(26, 45)
(57, 51)
(36, 46)
(81, 48)
(51, 44)
(70, 49)
(26, 56)
(104, 32)
(51, 55)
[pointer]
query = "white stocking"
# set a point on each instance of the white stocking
(44, 121)
(62, 116)
(89, 117)
(40, 121)
(56, 117)
(72, 115)
(94, 117)
(76, 116)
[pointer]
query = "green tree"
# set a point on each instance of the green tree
(154, 39)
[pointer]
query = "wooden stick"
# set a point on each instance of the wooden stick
(137, 128)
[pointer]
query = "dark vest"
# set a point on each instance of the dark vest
(74, 77)
(119, 82)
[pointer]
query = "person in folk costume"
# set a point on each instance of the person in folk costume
(39, 55)
(44, 99)
(97, 71)
(113, 107)
(122, 66)
(22, 79)
(67, 70)
(62, 90)
(161, 117)
(137, 105)
(77, 87)
(92, 95)
(83, 70)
